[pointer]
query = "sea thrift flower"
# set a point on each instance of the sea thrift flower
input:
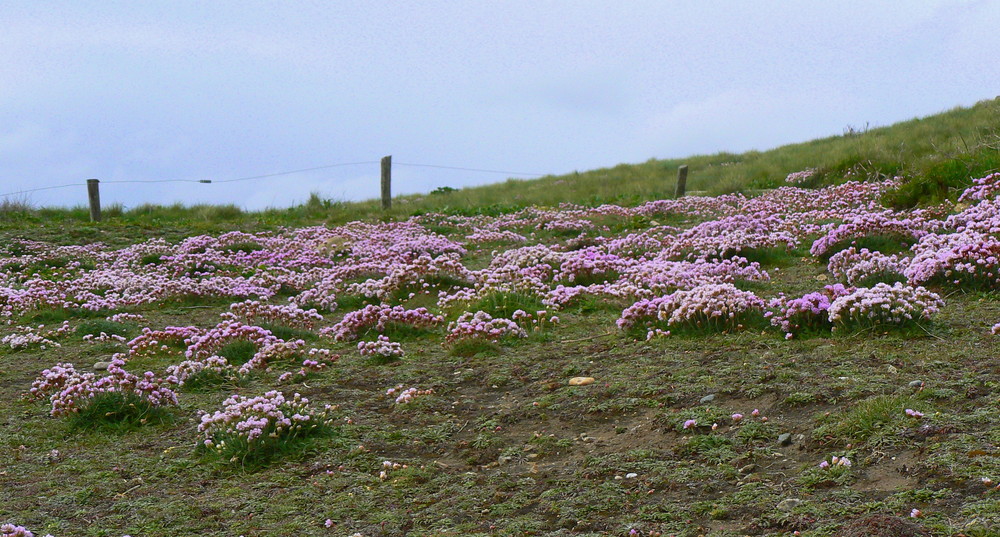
(379, 318)
(407, 395)
(481, 325)
(381, 347)
(809, 312)
(884, 224)
(857, 267)
(288, 314)
(969, 258)
(737, 417)
(711, 306)
(70, 390)
(797, 178)
(885, 305)
(11, 530)
(251, 424)
(690, 423)
(914, 413)
(982, 189)
(835, 461)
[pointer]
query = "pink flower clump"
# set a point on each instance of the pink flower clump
(252, 420)
(381, 347)
(481, 325)
(885, 305)
(379, 318)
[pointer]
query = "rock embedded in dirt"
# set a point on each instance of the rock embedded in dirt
(101, 366)
(916, 383)
(581, 381)
(707, 399)
(788, 504)
(882, 526)
(785, 439)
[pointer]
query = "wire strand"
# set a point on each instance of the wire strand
(468, 169)
(37, 189)
(296, 171)
(153, 181)
(278, 174)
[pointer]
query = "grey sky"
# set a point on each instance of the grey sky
(222, 90)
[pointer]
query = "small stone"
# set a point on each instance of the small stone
(618, 478)
(707, 399)
(102, 366)
(581, 381)
(631, 475)
(788, 504)
(785, 439)
(916, 383)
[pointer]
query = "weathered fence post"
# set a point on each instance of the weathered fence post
(387, 182)
(682, 178)
(94, 194)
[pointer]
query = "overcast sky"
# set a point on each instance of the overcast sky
(146, 91)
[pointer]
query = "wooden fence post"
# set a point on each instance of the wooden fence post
(682, 177)
(94, 194)
(387, 182)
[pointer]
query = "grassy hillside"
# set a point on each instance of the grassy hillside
(460, 405)
(800, 362)
(939, 155)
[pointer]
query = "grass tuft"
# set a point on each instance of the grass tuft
(505, 303)
(118, 412)
(238, 352)
(878, 419)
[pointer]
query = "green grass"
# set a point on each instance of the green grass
(288, 333)
(505, 303)
(887, 244)
(94, 327)
(473, 347)
(880, 418)
(238, 352)
(117, 412)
